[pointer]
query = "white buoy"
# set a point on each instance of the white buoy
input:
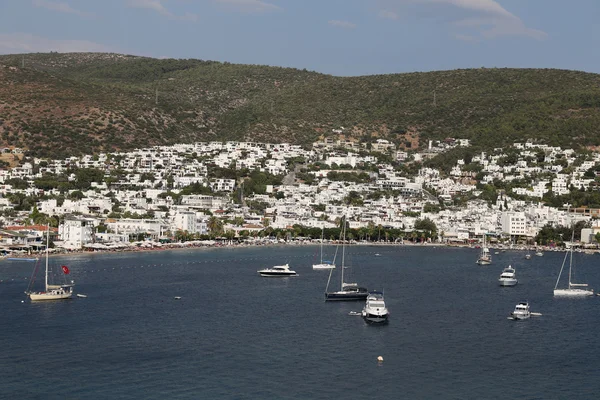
(380, 359)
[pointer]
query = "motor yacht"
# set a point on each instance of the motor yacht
(278, 270)
(521, 311)
(508, 277)
(375, 310)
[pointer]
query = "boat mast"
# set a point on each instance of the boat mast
(322, 231)
(47, 244)
(570, 263)
(561, 270)
(343, 250)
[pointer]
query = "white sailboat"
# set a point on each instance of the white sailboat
(348, 291)
(485, 258)
(52, 292)
(573, 289)
(323, 264)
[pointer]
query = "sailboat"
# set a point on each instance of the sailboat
(348, 291)
(323, 264)
(485, 258)
(52, 292)
(573, 289)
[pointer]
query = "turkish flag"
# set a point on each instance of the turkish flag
(65, 269)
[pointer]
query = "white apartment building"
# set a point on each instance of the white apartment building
(223, 185)
(76, 232)
(559, 186)
(190, 221)
(153, 227)
(513, 223)
(203, 201)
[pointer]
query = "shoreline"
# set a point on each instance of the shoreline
(153, 246)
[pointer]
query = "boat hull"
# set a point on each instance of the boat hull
(375, 318)
(49, 296)
(507, 282)
(277, 274)
(520, 316)
(484, 262)
(573, 292)
(323, 266)
(346, 296)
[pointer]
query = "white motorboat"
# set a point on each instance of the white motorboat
(51, 292)
(573, 289)
(521, 311)
(277, 271)
(528, 256)
(539, 253)
(324, 264)
(375, 310)
(508, 277)
(81, 295)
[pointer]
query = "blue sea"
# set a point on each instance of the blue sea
(236, 335)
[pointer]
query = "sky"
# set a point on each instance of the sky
(338, 37)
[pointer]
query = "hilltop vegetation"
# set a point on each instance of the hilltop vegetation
(69, 104)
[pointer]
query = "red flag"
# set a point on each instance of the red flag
(65, 269)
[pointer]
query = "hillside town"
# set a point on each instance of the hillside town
(246, 191)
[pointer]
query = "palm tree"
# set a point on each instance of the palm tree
(266, 222)
(215, 226)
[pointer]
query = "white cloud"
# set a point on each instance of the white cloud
(388, 14)
(28, 43)
(483, 18)
(252, 6)
(341, 24)
(157, 6)
(60, 7)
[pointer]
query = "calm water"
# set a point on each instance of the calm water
(235, 335)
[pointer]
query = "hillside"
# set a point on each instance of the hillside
(68, 104)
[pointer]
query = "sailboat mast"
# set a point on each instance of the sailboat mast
(322, 231)
(47, 244)
(343, 251)
(570, 263)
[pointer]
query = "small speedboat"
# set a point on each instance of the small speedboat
(277, 270)
(528, 256)
(521, 311)
(81, 295)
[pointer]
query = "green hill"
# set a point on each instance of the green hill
(74, 103)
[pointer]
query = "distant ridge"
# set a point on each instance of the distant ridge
(58, 105)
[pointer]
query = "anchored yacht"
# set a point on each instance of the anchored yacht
(508, 277)
(375, 310)
(277, 270)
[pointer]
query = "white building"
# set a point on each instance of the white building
(191, 222)
(75, 232)
(514, 223)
